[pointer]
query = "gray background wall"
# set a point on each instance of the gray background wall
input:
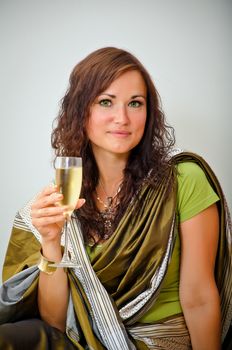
(185, 45)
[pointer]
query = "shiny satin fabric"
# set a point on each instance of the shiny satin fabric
(127, 264)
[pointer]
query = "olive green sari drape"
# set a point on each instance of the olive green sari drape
(108, 297)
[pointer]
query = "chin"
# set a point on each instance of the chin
(122, 150)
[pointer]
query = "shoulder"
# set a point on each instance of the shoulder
(190, 173)
(194, 192)
(189, 168)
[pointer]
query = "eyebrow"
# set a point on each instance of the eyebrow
(135, 96)
(113, 96)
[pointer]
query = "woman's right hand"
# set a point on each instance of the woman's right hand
(47, 216)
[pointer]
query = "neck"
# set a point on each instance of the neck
(111, 168)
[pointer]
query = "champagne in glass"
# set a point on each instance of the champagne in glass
(69, 184)
(68, 181)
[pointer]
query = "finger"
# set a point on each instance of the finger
(49, 220)
(48, 190)
(48, 211)
(47, 200)
(80, 202)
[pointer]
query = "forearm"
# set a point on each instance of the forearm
(204, 324)
(53, 290)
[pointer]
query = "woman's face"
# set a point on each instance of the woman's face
(117, 117)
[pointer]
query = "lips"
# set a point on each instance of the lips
(119, 133)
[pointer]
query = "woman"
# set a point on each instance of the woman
(149, 235)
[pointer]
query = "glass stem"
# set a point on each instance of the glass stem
(66, 228)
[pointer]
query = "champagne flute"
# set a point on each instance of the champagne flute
(68, 181)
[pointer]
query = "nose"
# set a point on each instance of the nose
(120, 115)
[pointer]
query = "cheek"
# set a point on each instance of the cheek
(140, 128)
(92, 122)
(94, 129)
(96, 119)
(90, 129)
(141, 122)
(92, 132)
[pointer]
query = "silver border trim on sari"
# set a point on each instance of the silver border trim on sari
(143, 298)
(106, 322)
(112, 331)
(12, 291)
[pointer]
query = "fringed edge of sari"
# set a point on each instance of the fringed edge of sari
(171, 333)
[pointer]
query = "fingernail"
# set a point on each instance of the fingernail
(82, 201)
(56, 195)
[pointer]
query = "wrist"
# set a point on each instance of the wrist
(45, 265)
(51, 250)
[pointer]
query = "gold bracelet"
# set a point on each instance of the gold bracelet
(44, 265)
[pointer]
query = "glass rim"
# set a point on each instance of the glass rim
(70, 157)
(67, 162)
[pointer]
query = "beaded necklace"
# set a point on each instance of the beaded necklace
(110, 208)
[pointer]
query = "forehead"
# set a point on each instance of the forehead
(130, 80)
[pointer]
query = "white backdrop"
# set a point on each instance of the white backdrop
(186, 46)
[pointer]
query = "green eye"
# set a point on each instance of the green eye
(135, 104)
(105, 103)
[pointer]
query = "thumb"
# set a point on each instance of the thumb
(80, 202)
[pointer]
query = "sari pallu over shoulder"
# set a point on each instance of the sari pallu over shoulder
(131, 306)
(109, 296)
(130, 243)
(18, 294)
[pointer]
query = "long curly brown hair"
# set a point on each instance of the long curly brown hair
(89, 79)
